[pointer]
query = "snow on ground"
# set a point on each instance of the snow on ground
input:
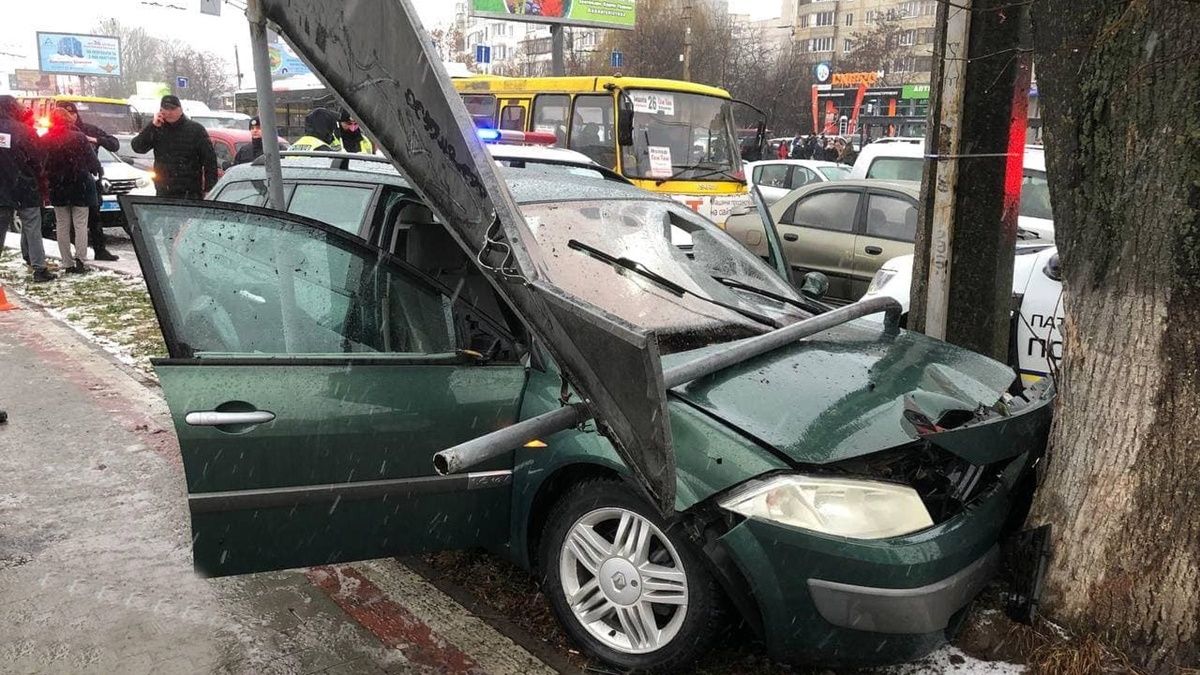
(950, 659)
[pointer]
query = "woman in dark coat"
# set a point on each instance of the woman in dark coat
(71, 167)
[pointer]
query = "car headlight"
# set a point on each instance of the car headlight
(844, 507)
(880, 279)
(143, 182)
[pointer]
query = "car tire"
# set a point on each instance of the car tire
(682, 598)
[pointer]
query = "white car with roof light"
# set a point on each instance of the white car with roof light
(1036, 341)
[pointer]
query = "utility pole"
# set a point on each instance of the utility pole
(970, 193)
(557, 65)
(687, 41)
(266, 103)
(237, 65)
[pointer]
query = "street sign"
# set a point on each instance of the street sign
(181, 83)
(483, 54)
(617, 59)
(210, 7)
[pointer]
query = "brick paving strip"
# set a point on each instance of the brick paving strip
(95, 562)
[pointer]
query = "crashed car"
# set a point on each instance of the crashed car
(665, 433)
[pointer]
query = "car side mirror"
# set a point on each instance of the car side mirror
(225, 165)
(815, 285)
(625, 120)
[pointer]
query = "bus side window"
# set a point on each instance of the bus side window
(550, 115)
(592, 130)
(512, 117)
(482, 108)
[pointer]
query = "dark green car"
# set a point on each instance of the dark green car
(844, 494)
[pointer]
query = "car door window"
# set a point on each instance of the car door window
(772, 175)
(592, 129)
(253, 193)
(341, 206)
(834, 211)
(224, 155)
(891, 218)
(1035, 196)
(801, 176)
(234, 282)
(550, 115)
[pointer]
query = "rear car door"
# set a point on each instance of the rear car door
(311, 378)
(818, 236)
(889, 226)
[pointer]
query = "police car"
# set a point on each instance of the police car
(1036, 343)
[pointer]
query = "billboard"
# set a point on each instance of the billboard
(33, 80)
(76, 54)
(284, 62)
(596, 13)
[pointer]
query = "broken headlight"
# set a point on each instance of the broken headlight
(844, 507)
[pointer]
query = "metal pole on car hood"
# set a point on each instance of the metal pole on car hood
(476, 450)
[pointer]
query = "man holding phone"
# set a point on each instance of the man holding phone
(185, 164)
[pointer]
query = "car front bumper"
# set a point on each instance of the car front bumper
(842, 602)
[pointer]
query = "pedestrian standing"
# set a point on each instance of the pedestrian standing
(20, 181)
(99, 138)
(185, 164)
(351, 137)
(254, 149)
(71, 165)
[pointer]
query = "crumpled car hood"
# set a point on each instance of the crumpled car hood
(842, 393)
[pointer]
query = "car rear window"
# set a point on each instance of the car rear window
(897, 168)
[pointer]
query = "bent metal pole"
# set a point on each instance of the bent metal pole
(465, 455)
(266, 104)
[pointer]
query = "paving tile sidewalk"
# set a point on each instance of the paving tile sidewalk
(95, 561)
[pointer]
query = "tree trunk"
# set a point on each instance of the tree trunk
(1120, 88)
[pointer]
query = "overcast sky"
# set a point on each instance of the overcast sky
(181, 20)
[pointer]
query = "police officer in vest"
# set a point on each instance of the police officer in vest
(320, 126)
(351, 137)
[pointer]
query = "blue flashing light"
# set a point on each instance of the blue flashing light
(488, 135)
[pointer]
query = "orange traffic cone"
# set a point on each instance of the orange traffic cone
(4, 303)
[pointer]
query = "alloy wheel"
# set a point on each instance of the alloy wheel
(623, 580)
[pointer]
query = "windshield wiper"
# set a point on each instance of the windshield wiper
(803, 303)
(679, 173)
(674, 288)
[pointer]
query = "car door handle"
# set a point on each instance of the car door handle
(791, 237)
(214, 418)
(873, 250)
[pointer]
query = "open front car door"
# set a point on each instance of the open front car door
(311, 379)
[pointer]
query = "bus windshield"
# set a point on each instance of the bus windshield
(115, 118)
(681, 136)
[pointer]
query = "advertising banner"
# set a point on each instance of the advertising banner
(33, 80)
(76, 54)
(284, 62)
(597, 13)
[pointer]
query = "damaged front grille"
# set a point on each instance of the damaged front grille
(945, 482)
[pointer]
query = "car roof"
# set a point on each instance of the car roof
(812, 163)
(526, 187)
(510, 151)
(235, 135)
(912, 188)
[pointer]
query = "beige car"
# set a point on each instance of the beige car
(846, 230)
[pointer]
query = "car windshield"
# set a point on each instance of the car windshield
(682, 136)
(834, 172)
(106, 156)
(222, 122)
(641, 232)
(1035, 196)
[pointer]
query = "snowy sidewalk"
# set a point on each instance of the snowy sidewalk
(127, 265)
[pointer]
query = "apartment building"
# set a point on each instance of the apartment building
(828, 30)
(519, 48)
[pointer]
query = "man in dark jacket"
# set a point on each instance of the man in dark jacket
(20, 174)
(254, 149)
(99, 138)
(185, 164)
